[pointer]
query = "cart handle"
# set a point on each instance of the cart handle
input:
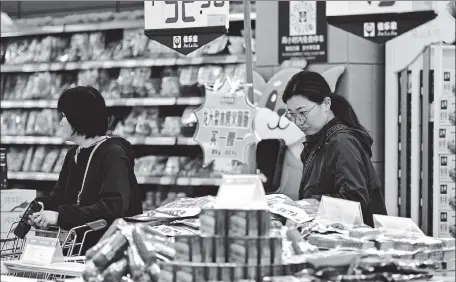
(97, 225)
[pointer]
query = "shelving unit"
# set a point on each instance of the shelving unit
(162, 60)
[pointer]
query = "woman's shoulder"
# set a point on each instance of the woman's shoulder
(116, 146)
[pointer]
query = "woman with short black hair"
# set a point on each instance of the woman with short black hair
(337, 151)
(97, 179)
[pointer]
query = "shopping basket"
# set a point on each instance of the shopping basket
(71, 242)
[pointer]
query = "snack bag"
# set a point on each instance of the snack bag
(30, 129)
(170, 83)
(171, 126)
(59, 163)
(50, 160)
(28, 159)
(216, 46)
(209, 74)
(125, 82)
(97, 45)
(38, 158)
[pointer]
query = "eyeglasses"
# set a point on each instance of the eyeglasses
(300, 116)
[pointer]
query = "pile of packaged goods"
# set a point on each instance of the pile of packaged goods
(94, 46)
(287, 242)
(155, 199)
(139, 82)
(173, 166)
(30, 122)
(48, 159)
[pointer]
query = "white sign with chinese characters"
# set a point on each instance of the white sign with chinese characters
(225, 125)
(185, 25)
(373, 29)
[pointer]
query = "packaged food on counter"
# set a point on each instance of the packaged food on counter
(187, 207)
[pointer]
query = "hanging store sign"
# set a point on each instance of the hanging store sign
(303, 31)
(377, 21)
(185, 25)
(225, 125)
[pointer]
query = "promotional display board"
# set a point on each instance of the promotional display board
(377, 21)
(185, 25)
(225, 126)
(303, 31)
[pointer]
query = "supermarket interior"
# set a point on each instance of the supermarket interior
(267, 141)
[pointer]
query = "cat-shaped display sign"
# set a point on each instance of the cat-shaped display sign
(225, 125)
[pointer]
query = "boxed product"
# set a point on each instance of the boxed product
(447, 109)
(447, 137)
(448, 83)
(447, 196)
(447, 167)
(447, 224)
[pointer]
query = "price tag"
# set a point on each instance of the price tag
(334, 210)
(42, 251)
(295, 214)
(185, 25)
(241, 192)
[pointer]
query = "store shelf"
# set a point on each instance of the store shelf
(38, 176)
(198, 181)
(32, 140)
(190, 101)
(186, 141)
(48, 30)
(152, 140)
(126, 63)
(121, 102)
(158, 180)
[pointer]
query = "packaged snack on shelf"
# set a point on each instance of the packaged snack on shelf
(216, 46)
(134, 43)
(20, 125)
(38, 158)
(21, 84)
(45, 122)
(155, 49)
(30, 129)
(97, 45)
(209, 74)
(79, 49)
(39, 86)
(28, 159)
(188, 76)
(143, 84)
(125, 82)
(236, 46)
(43, 52)
(59, 163)
(50, 160)
(16, 157)
(170, 83)
(144, 165)
(16, 51)
(171, 126)
(88, 77)
(159, 166)
(107, 85)
(172, 166)
(147, 122)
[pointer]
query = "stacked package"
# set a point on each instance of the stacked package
(232, 245)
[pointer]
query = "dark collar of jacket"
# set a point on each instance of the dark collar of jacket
(318, 139)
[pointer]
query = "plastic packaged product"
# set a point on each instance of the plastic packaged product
(147, 122)
(50, 160)
(28, 159)
(172, 166)
(91, 272)
(97, 45)
(236, 46)
(111, 251)
(107, 85)
(209, 74)
(188, 76)
(116, 270)
(170, 83)
(38, 158)
(159, 167)
(143, 83)
(79, 49)
(134, 43)
(15, 159)
(144, 165)
(88, 77)
(125, 82)
(21, 84)
(171, 126)
(59, 163)
(45, 122)
(216, 46)
(39, 86)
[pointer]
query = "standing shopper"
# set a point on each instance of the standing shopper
(97, 179)
(337, 151)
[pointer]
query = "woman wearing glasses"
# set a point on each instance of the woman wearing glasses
(337, 151)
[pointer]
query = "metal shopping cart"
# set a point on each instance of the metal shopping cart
(71, 242)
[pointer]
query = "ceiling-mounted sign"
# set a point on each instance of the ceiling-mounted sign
(225, 126)
(378, 21)
(185, 25)
(303, 31)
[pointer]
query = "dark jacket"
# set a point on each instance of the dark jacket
(337, 164)
(110, 190)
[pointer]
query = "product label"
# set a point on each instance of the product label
(293, 213)
(447, 196)
(447, 224)
(447, 136)
(40, 250)
(447, 164)
(448, 83)
(447, 110)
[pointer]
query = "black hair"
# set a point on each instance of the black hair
(85, 110)
(314, 87)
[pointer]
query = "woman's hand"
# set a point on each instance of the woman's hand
(44, 219)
